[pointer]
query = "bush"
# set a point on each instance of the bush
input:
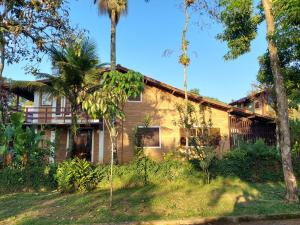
(78, 175)
(132, 175)
(31, 178)
(251, 162)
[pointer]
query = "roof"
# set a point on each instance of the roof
(178, 92)
(174, 91)
(247, 98)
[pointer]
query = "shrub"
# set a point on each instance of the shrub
(169, 170)
(31, 178)
(22, 146)
(251, 162)
(78, 175)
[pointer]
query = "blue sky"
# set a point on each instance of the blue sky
(151, 28)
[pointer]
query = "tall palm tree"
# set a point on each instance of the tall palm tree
(76, 63)
(114, 8)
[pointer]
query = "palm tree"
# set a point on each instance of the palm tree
(114, 8)
(76, 63)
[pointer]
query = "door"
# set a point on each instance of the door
(83, 144)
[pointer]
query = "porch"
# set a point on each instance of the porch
(53, 116)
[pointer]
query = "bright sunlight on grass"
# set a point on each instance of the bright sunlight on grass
(223, 197)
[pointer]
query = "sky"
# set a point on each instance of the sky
(151, 28)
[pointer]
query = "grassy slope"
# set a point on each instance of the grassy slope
(172, 201)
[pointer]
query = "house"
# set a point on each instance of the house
(158, 102)
(262, 103)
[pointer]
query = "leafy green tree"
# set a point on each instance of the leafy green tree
(107, 101)
(240, 20)
(27, 27)
(77, 66)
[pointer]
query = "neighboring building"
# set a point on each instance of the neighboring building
(157, 101)
(262, 103)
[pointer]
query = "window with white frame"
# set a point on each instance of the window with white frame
(149, 136)
(137, 98)
(46, 99)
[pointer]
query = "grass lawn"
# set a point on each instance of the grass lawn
(224, 196)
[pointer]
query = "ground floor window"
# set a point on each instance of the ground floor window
(149, 136)
(204, 137)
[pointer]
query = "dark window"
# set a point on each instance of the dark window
(203, 137)
(137, 98)
(149, 136)
(257, 105)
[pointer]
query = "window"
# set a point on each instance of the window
(137, 98)
(257, 105)
(249, 106)
(149, 136)
(46, 99)
(203, 137)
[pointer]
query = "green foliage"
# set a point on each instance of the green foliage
(111, 94)
(23, 144)
(240, 22)
(31, 26)
(171, 169)
(77, 175)
(30, 178)
(251, 162)
(142, 160)
(295, 136)
(195, 91)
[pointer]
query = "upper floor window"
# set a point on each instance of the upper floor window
(137, 98)
(257, 105)
(46, 99)
(249, 106)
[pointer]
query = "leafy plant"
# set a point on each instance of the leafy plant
(295, 136)
(24, 145)
(30, 178)
(77, 175)
(256, 162)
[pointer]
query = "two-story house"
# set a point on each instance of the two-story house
(158, 101)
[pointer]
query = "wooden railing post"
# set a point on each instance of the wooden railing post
(26, 115)
(46, 114)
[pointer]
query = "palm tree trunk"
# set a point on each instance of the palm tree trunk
(282, 106)
(113, 40)
(74, 127)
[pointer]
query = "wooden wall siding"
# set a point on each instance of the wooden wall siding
(61, 151)
(160, 106)
(243, 129)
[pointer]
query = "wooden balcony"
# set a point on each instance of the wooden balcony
(50, 115)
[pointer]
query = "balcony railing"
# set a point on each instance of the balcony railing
(50, 115)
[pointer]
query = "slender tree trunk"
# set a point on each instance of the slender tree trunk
(113, 40)
(2, 92)
(185, 62)
(111, 172)
(282, 106)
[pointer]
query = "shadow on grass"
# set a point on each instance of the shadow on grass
(223, 197)
(130, 204)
